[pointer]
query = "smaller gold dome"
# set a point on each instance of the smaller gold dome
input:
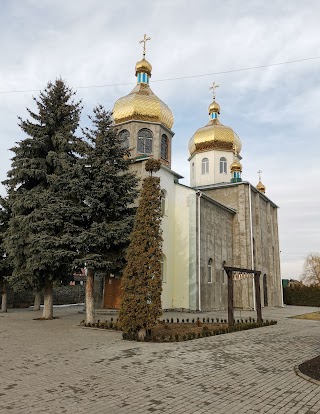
(236, 166)
(261, 187)
(214, 107)
(143, 66)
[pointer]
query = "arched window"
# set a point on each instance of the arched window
(145, 141)
(124, 136)
(192, 170)
(205, 166)
(163, 268)
(163, 202)
(164, 147)
(223, 165)
(210, 271)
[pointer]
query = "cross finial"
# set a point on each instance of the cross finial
(259, 172)
(235, 151)
(144, 41)
(214, 87)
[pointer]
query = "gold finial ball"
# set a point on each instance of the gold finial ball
(143, 66)
(214, 107)
(236, 166)
(261, 187)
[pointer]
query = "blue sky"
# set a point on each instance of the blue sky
(274, 110)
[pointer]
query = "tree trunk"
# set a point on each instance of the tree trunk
(4, 297)
(90, 318)
(37, 300)
(48, 302)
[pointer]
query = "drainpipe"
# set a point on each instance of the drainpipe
(251, 242)
(199, 194)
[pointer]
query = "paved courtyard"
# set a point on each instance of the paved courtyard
(58, 367)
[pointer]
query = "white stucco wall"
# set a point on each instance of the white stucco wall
(168, 222)
(214, 176)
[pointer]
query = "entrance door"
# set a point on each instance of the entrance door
(112, 293)
(265, 290)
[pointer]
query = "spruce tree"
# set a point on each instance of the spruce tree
(110, 191)
(43, 186)
(5, 268)
(141, 282)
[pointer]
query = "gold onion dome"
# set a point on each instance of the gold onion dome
(143, 66)
(142, 104)
(236, 166)
(261, 187)
(214, 135)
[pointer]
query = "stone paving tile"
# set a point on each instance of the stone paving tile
(58, 367)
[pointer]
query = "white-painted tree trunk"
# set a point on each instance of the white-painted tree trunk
(47, 301)
(37, 301)
(4, 298)
(90, 318)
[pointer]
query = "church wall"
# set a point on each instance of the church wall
(184, 234)
(168, 245)
(265, 242)
(216, 240)
(157, 130)
(213, 176)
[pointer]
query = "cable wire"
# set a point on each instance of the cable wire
(179, 77)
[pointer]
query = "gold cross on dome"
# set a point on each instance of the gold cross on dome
(259, 172)
(235, 151)
(214, 87)
(144, 41)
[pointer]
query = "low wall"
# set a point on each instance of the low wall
(62, 295)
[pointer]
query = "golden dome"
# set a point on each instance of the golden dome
(214, 107)
(214, 136)
(261, 187)
(143, 66)
(236, 166)
(142, 105)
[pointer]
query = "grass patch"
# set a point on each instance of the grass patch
(313, 316)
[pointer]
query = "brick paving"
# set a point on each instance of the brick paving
(58, 367)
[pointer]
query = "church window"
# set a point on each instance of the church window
(124, 136)
(223, 165)
(164, 147)
(163, 268)
(192, 170)
(210, 271)
(163, 202)
(145, 141)
(205, 166)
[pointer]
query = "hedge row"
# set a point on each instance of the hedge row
(301, 295)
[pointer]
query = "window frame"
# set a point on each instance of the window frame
(144, 140)
(223, 165)
(205, 166)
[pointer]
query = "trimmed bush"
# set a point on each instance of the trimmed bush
(301, 295)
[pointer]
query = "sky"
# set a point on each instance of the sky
(94, 45)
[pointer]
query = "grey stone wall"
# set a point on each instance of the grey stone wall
(216, 241)
(265, 242)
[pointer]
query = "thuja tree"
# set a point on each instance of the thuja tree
(43, 186)
(141, 282)
(110, 191)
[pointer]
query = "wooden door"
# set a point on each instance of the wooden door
(112, 293)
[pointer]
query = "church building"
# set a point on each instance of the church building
(219, 220)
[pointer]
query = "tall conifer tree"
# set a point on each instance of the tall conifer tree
(5, 268)
(110, 191)
(141, 282)
(43, 198)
